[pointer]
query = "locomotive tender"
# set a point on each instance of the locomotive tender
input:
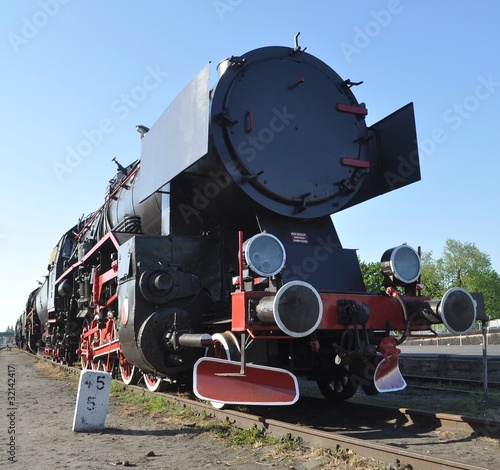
(214, 257)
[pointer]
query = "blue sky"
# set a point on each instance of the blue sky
(77, 76)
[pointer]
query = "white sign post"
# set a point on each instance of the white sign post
(92, 401)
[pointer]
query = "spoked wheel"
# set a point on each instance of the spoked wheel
(84, 357)
(154, 384)
(84, 361)
(130, 374)
(105, 365)
(366, 369)
(224, 346)
(85, 348)
(339, 387)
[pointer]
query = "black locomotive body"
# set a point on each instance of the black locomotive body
(216, 252)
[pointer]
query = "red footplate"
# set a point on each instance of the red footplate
(219, 380)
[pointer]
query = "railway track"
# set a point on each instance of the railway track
(301, 421)
(472, 385)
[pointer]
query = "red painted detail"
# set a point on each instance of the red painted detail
(239, 308)
(249, 121)
(108, 348)
(108, 238)
(99, 281)
(384, 310)
(240, 318)
(392, 292)
(124, 312)
(266, 333)
(108, 275)
(99, 342)
(109, 332)
(111, 300)
(90, 332)
(347, 108)
(240, 259)
(220, 381)
(96, 291)
(355, 162)
(387, 375)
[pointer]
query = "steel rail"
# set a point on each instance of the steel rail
(474, 384)
(442, 421)
(326, 439)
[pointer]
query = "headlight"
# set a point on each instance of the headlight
(402, 264)
(264, 254)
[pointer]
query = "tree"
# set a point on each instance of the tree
(372, 276)
(463, 265)
(488, 283)
(431, 278)
(461, 262)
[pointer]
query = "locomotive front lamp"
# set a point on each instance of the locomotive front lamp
(401, 264)
(143, 130)
(264, 254)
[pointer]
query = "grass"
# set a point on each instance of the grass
(253, 436)
(288, 450)
(153, 405)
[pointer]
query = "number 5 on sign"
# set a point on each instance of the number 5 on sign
(92, 401)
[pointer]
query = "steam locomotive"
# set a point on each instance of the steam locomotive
(214, 260)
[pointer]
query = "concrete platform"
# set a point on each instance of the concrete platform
(492, 351)
(450, 362)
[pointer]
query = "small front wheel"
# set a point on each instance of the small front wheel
(154, 384)
(339, 387)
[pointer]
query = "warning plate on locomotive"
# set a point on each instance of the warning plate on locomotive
(299, 237)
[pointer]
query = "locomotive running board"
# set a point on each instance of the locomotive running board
(220, 381)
